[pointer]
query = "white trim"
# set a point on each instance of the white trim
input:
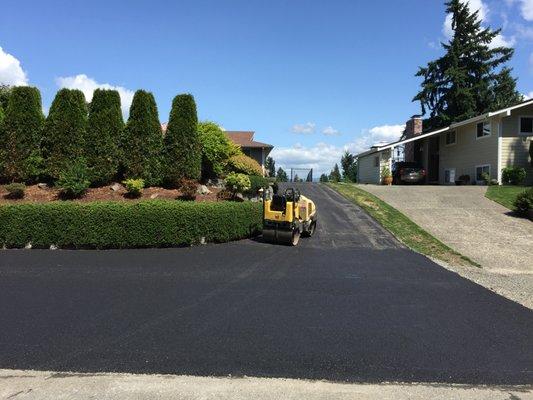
(507, 111)
(481, 166)
(500, 143)
(520, 133)
(446, 138)
(488, 121)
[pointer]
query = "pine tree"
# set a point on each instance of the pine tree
(182, 149)
(335, 175)
(21, 134)
(504, 93)
(142, 142)
(281, 175)
(64, 133)
(346, 162)
(270, 166)
(324, 178)
(460, 84)
(104, 131)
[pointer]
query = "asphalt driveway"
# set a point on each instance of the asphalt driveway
(350, 304)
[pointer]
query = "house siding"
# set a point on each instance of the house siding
(469, 152)
(367, 172)
(515, 148)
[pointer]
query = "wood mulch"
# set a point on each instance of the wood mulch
(35, 194)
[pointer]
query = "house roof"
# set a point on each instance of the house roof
(505, 111)
(245, 139)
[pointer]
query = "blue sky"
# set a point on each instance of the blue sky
(310, 77)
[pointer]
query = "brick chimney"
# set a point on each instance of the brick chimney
(413, 128)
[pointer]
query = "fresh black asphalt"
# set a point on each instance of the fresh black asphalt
(349, 304)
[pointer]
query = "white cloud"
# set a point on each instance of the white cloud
(527, 9)
(502, 41)
(330, 131)
(528, 96)
(11, 72)
(306, 128)
(88, 85)
(322, 156)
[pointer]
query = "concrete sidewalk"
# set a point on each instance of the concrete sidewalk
(488, 233)
(16, 384)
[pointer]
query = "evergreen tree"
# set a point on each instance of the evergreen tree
(352, 172)
(504, 93)
(5, 92)
(183, 153)
(64, 133)
(335, 175)
(281, 175)
(296, 178)
(104, 131)
(460, 84)
(324, 178)
(142, 141)
(21, 134)
(346, 163)
(270, 166)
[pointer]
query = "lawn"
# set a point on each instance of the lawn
(505, 195)
(405, 230)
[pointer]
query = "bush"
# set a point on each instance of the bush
(21, 136)
(513, 175)
(16, 190)
(238, 183)
(134, 187)
(183, 154)
(155, 223)
(188, 189)
(524, 202)
(217, 149)
(142, 142)
(64, 132)
(257, 182)
(243, 164)
(74, 180)
(104, 129)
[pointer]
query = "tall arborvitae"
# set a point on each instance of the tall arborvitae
(104, 131)
(142, 141)
(21, 134)
(64, 133)
(183, 153)
(460, 84)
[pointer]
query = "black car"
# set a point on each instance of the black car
(407, 172)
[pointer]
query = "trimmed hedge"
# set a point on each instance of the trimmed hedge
(102, 225)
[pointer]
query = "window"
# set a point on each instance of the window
(480, 170)
(376, 161)
(451, 138)
(483, 129)
(449, 175)
(526, 126)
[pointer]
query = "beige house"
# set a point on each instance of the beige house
(484, 144)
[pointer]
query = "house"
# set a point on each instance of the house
(256, 150)
(483, 144)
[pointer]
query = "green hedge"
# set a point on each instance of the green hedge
(157, 223)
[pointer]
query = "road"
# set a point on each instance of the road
(350, 304)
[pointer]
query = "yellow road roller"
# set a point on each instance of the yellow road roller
(288, 216)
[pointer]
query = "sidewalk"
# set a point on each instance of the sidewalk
(57, 386)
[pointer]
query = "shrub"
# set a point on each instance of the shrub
(142, 141)
(64, 133)
(74, 180)
(485, 177)
(524, 202)
(385, 172)
(238, 183)
(243, 164)
(257, 182)
(154, 223)
(21, 135)
(183, 154)
(513, 175)
(216, 149)
(134, 187)
(188, 189)
(104, 129)
(16, 190)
